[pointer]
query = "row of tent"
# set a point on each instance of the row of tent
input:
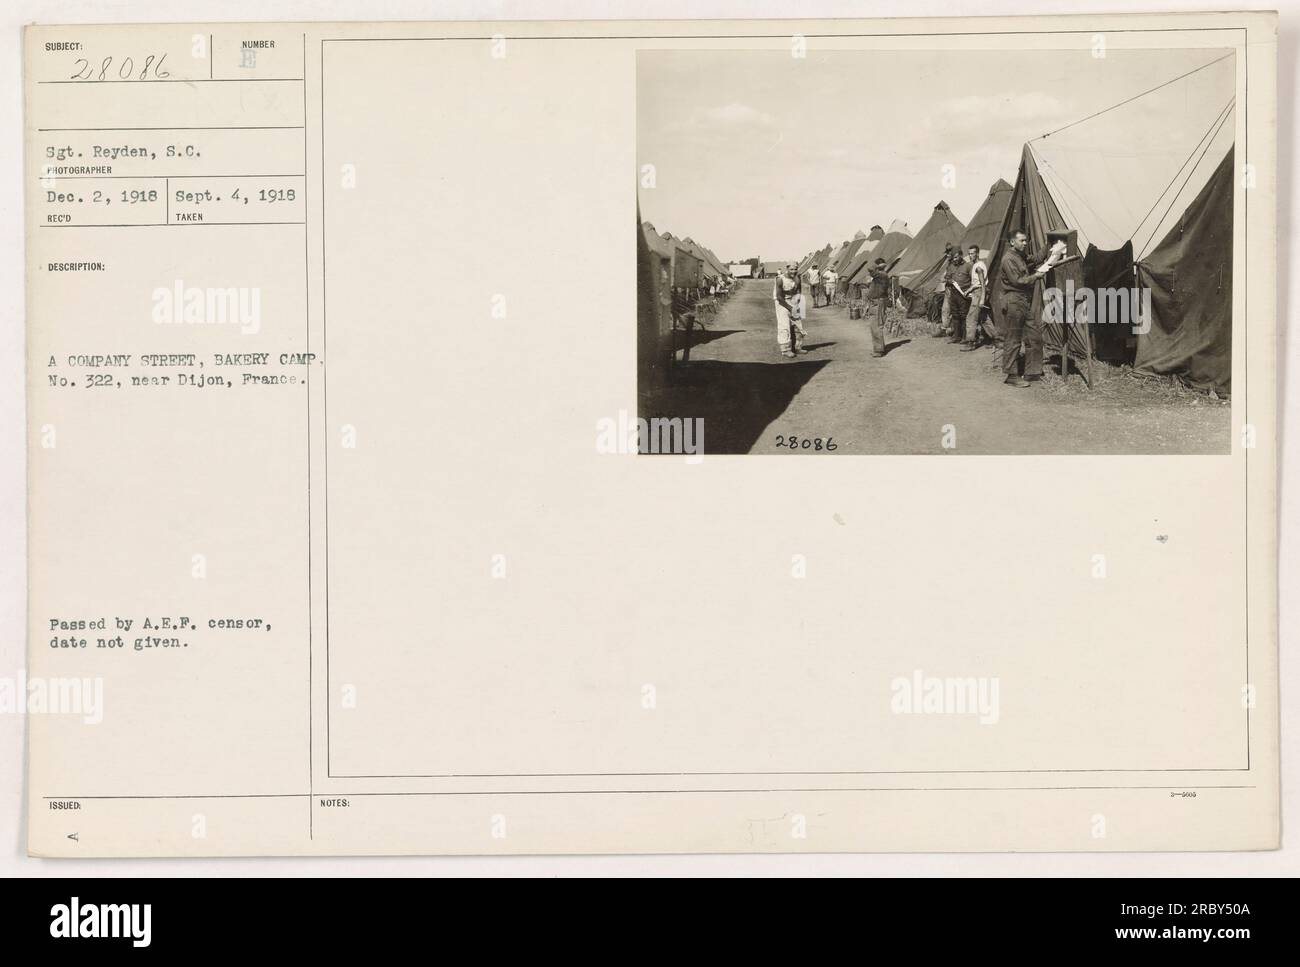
(687, 263)
(1188, 274)
(671, 273)
(915, 261)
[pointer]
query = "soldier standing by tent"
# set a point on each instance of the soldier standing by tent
(877, 296)
(939, 305)
(1017, 281)
(811, 278)
(945, 313)
(978, 292)
(959, 284)
(829, 278)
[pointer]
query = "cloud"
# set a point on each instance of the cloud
(964, 128)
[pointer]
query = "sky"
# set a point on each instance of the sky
(758, 153)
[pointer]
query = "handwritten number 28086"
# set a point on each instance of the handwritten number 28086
(806, 443)
(151, 69)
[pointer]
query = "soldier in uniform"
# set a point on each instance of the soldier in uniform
(959, 284)
(829, 278)
(945, 311)
(1017, 281)
(810, 280)
(979, 279)
(877, 296)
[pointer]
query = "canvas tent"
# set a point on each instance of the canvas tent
(691, 265)
(717, 262)
(712, 262)
(661, 250)
(1119, 180)
(688, 268)
(942, 228)
(849, 253)
(658, 246)
(654, 306)
(708, 269)
(987, 221)
(867, 247)
(1190, 277)
(895, 242)
(804, 263)
(1188, 272)
(1034, 211)
(890, 248)
(667, 268)
(982, 231)
(835, 257)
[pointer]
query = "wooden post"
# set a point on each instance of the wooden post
(1087, 331)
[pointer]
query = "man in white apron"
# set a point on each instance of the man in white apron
(787, 297)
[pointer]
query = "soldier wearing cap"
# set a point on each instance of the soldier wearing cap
(877, 296)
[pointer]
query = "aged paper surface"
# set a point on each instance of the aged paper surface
(337, 338)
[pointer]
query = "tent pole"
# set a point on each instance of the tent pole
(1087, 330)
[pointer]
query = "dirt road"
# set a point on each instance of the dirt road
(752, 399)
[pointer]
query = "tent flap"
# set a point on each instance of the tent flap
(1189, 275)
(1112, 338)
(1033, 211)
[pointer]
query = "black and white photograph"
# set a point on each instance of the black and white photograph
(457, 563)
(1016, 251)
